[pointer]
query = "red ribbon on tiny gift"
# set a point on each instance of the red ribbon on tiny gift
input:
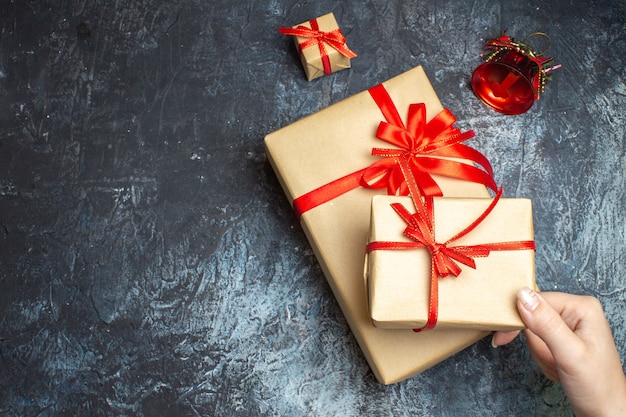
(315, 36)
(425, 147)
(445, 257)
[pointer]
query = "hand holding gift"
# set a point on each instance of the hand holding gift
(570, 339)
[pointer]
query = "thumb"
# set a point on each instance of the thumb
(545, 322)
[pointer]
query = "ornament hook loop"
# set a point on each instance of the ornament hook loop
(542, 34)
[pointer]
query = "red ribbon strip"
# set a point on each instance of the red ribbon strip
(316, 37)
(445, 258)
(424, 145)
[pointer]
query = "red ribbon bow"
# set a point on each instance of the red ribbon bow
(422, 144)
(334, 38)
(445, 258)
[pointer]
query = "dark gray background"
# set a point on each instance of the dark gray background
(149, 262)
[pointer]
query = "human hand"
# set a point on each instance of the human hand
(570, 339)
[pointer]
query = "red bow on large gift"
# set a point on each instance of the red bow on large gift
(426, 146)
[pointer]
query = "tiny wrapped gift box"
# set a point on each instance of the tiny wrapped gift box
(483, 298)
(328, 145)
(321, 45)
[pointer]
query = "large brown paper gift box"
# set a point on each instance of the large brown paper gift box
(311, 57)
(481, 298)
(330, 144)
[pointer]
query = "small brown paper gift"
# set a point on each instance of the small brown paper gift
(482, 298)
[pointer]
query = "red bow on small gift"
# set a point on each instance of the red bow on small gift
(445, 257)
(333, 38)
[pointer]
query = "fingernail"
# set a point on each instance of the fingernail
(528, 298)
(493, 342)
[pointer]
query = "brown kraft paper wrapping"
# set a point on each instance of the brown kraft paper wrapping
(327, 145)
(481, 298)
(312, 59)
